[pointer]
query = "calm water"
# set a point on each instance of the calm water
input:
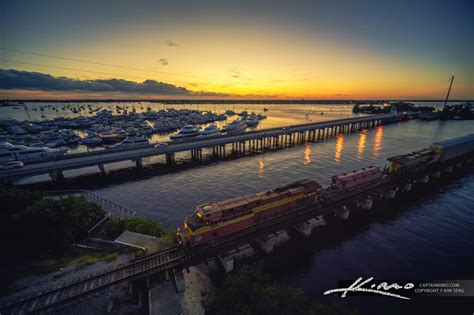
(277, 115)
(170, 197)
(432, 238)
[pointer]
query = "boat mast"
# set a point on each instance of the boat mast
(449, 90)
(27, 113)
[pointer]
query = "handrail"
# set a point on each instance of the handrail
(263, 131)
(105, 218)
(96, 198)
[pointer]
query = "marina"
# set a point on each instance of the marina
(267, 138)
(223, 158)
(107, 126)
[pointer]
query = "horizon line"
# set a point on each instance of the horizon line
(281, 101)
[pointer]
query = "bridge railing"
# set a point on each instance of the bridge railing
(99, 153)
(114, 209)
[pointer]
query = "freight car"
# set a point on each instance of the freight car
(349, 181)
(216, 219)
(453, 148)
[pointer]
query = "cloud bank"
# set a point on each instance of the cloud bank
(24, 80)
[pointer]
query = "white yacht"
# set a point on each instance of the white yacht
(131, 142)
(236, 126)
(252, 121)
(187, 132)
(210, 131)
(10, 152)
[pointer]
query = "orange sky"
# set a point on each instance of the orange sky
(240, 52)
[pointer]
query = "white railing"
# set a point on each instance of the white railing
(113, 208)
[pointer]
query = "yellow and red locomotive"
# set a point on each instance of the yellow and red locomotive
(213, 220)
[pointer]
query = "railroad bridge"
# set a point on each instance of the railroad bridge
(175, 260)
(253, 141)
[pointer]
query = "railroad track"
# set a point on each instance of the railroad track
(168, 259)
(177, 257)
(44, 301)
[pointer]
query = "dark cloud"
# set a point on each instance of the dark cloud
(171, 43)
(164, 61)
(24, 80)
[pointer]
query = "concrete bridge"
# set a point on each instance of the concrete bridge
(258, 140)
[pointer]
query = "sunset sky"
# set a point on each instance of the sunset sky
(327, 49)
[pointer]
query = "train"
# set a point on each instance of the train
(438, 152)
(349, 181)
(216, 220)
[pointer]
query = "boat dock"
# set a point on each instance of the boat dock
(254, 141)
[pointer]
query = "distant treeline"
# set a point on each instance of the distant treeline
(191, 101)
(399, 107)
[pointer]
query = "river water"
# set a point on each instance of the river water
(432, 238)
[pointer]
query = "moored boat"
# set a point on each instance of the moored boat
(131, 142)
(236, 126)
(187, 132)
(209, 131)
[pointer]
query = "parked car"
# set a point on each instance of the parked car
(161, 145)
(11, 165)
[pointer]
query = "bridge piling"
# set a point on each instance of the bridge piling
(258, 141)
(366, 204)
(343, 213)
(170, 158)
(102, 170)
(57, 176)
(178, 280)
(139, 162)
(227, 262)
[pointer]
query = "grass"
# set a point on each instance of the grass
(76, 258)
(95, 257)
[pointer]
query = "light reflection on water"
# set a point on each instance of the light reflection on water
(361, 145)
(378, 141)
(170, 197)
(307, 153)
(420, 243)
(261, 167)
(339, 147)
